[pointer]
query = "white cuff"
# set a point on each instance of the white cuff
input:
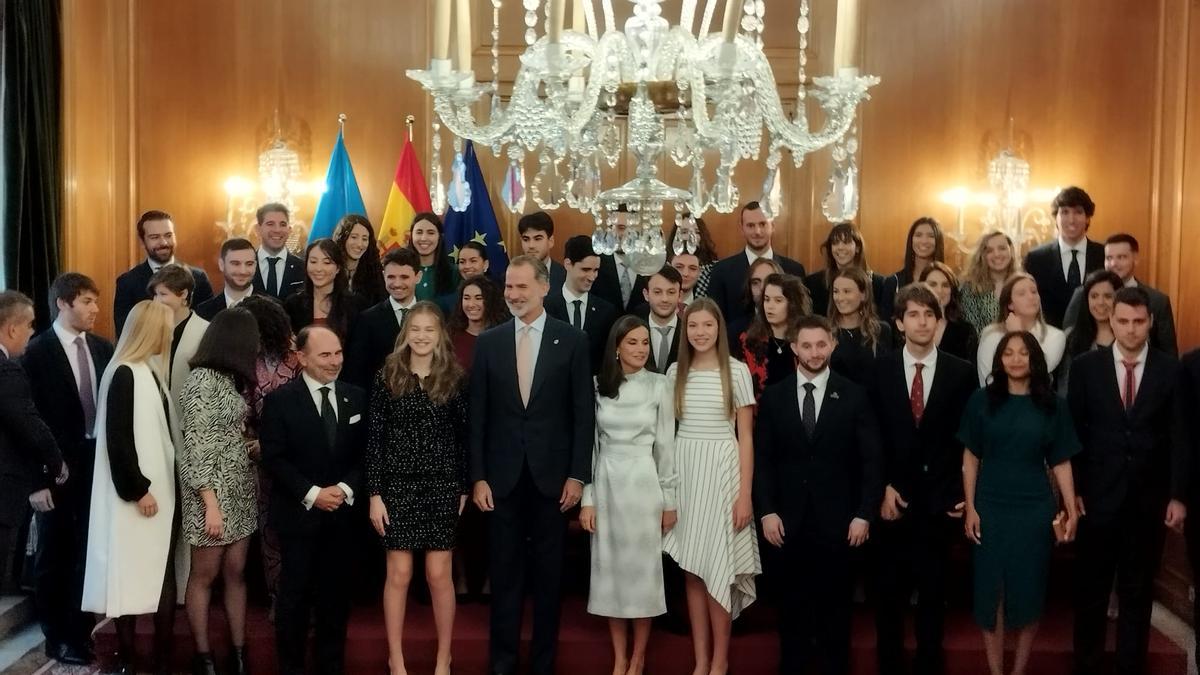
(311, 497)
(349, 493)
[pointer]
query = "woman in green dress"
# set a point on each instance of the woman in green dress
(1012, 430)
(439, 275)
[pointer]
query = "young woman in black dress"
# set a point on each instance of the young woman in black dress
(416, 471)
(861, 336)
(765, 346)
(356, 238)
(955, 335)
(326, 299)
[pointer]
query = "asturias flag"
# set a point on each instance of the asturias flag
(341, 196)
(408, 197)
(478, 221)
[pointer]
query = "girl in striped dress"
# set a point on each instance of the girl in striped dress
(712, 540)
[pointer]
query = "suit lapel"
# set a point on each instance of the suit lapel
(509, 364)
(1150, 380)
(63, 364)
(548, 344)
(932, 391)
(828, 407)
(1110, 379)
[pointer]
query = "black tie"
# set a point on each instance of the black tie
(808, 413)
(272, 277)
(577, 321)
(328, 417)
(1073, 276)
(401, 314)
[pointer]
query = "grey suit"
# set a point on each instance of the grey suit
(1162, 336)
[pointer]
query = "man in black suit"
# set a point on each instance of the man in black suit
(1121, 258)
(532, 425)
(1130, 478)
(575, 304)
(661, 311)
(314, 431)
(375, 331)
(280, 272)
(818, 478)
(617, 282)
(1188, 421)
(238, 263)
(920, 393)
(537, 238)
(156, 231)
(68, 360)
(1060, 266)
(727, 281)
(29, 456)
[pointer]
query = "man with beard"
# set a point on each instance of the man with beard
(818, 480)
(156, 231)
(238, 263)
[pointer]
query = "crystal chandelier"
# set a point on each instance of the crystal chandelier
(716, 89)
(1006, 204)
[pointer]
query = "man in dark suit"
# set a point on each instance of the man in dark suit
(1060, 266)
(532, 425)
(68, 360)
(818, 478)
(29, 455)
(575, 304)
(537, 238)
(156, 231)
(238, 262)
(617, 282)
(661, 312)
(920, 393)
(1188, 420)
(314, 430)
(1121, 258)
(375, 331)
(1130, 478)
(280, 272)
(728, 278)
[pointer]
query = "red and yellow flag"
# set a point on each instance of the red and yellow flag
(408, 197)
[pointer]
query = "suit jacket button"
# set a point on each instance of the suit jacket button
(925, 468)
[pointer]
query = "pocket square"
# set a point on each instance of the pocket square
(355, 418)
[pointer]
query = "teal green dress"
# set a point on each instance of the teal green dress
(427, 290)
(1016, 506)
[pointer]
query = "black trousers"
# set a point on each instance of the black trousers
(815, 603)
(59, 561)
(10, 557)
(1127, 547)
(911, 553)
(1191, 534)
(314, 577)
(526, 539)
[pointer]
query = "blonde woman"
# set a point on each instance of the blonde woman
(416, 471)
(134, 520)
(1019, 309)
(992, 263)
(712, 540)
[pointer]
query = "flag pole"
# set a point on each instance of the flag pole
(341, 122)
(408, 122)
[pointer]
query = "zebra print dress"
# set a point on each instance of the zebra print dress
(214, 457)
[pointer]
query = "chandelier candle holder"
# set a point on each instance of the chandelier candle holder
(717, 91)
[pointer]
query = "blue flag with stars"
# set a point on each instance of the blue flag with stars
(478, 221)
(341, 196)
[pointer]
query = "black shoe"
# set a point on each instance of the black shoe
(70, 654)
(202, 664)
(237, 662)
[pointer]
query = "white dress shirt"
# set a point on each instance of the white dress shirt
(910, 369)
(264, 266)
(314, 390)
(688, 298)
(570, 298)
(1138, 370)
(537, 328)
(1065, 251)
(821, 383)
(231, 301)
(656, 338)
(396, 307)
(751, 256)
(156, 266)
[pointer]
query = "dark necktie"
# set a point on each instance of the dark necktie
(328, 417)
(1130, 384)
(401, 314)
(87, 398)
(577, 319)
(1074, 278)
(808, 412)
(664, 348)
(272, 276)
(916, 398)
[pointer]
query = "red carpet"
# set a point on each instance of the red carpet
(584, 646)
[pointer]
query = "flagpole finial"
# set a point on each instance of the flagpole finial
(409, 120)
(341, 121)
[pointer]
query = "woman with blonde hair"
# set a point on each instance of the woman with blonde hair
(131, 562)
(417, 471)
(712, 540)
(992, 263)
(1019, 309)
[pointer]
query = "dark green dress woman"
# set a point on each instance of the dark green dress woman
(1014, 443)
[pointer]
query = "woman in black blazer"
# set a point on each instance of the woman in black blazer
(955, 335)
(326, 299)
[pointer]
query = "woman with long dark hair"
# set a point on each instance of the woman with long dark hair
(417, 471)
(480, 306)
(861, 336)
(630, 502)
(925, 243)
(1092, 329)
(764, 346)
(220, 509)
(751, 297)
(355, 236)
(438, 275)
(954, 334)
(844, 246)
(1012, 430)
(326, 299)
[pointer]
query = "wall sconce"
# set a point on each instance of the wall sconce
(278, 181)
(1005, 205)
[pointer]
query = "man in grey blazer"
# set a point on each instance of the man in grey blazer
(1121, 258)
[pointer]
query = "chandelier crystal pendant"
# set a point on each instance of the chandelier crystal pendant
(716, 92)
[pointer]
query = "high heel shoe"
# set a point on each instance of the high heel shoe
(202, 664)
(237, 662)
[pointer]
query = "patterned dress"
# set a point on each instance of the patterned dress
(215, 458)
(703, 540)
(978, 308)
(417, 461)
(271, 375)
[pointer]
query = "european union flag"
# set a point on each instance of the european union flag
(478, 221)
(341, 196)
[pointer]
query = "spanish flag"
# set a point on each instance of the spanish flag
(408, 197)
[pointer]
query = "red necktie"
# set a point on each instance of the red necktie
(916, 398)
(681, 309)
(1130, 384)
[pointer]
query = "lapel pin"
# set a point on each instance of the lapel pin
(834, 395)
(556, 341)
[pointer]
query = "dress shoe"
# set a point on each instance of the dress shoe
(70, 654)
(202, 664)
(237, 662)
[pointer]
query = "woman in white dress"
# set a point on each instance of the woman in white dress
(630, 502)
(712, 540)
(1019, 309)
